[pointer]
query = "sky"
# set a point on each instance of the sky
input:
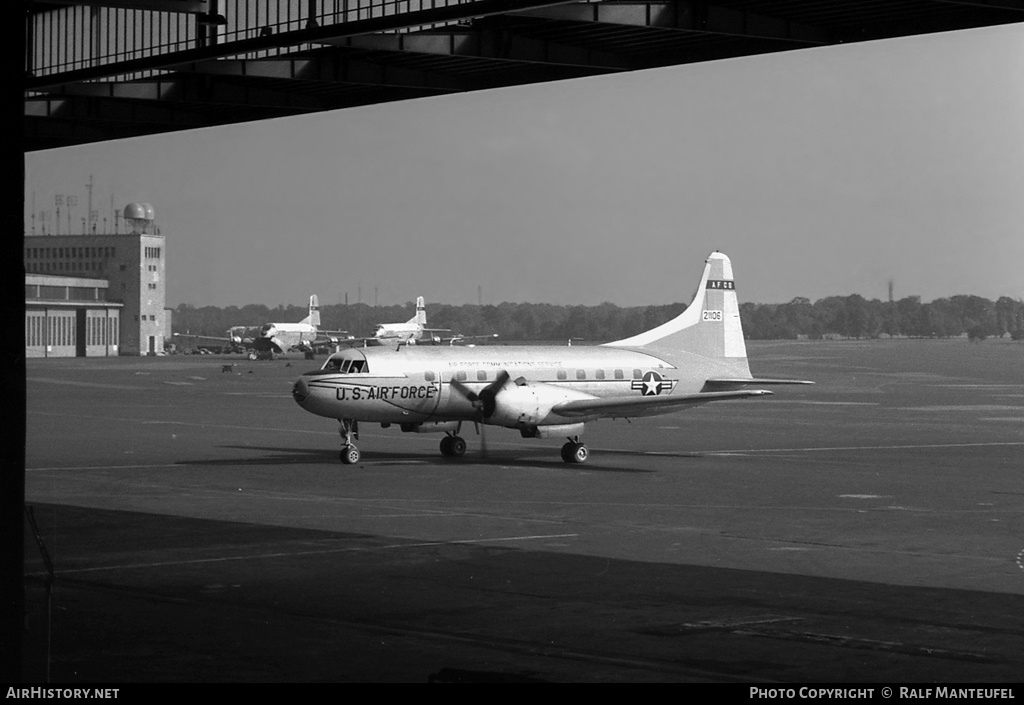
(820, 172)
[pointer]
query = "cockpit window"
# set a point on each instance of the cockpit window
(345, 366)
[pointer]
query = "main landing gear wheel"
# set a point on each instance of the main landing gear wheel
(350, 455)
(575, 452)
(453, 446)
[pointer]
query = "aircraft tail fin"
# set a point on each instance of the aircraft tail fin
(709, 327)
(420, 318)
(313, 318)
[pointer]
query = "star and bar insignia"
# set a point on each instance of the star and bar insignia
(652, 384)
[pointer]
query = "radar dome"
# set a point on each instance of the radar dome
(135, 211)
(139, 216)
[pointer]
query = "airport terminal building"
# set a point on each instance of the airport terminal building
(96, 295)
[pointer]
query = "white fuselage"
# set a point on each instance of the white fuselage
(285, 336)
(392, 332)
(414, 385)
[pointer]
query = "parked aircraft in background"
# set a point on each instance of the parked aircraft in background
(414, 331)
(237, 338)
(543, 391)
(409, 332)
(275, 337)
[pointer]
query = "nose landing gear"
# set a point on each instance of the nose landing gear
(349, 429)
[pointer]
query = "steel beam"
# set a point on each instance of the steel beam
(684, 16)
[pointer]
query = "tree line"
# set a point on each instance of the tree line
(835, 316)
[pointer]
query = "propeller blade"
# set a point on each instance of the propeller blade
(499, 381)
(465, 391)
(490, 392)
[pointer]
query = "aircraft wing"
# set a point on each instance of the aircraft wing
(190, 339)
(348, 340)
(754, 380)
(340, 336)
(638, 406)
(455, 339)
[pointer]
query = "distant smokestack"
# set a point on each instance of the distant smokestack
(890, 291)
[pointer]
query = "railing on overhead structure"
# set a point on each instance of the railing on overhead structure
(76, 37)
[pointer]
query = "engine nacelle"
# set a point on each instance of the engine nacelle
(431, 427)
(567, 430)
(527, 405)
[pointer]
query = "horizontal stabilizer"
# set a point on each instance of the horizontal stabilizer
(639, 406)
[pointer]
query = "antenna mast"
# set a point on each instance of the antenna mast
(89, 214)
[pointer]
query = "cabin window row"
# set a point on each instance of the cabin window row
(482, 375)
(360, 366)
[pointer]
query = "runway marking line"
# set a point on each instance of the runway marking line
(199, 424)
(740, 622)
(109, 467)
(836, 448)
(223, 559)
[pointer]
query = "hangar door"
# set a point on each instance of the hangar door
(80, 333)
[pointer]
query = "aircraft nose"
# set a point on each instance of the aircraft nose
(300, 390)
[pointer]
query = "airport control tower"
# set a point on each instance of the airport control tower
(133, 267)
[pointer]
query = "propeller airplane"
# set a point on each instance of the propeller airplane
(275, 337)
(413, 331)
(696, 358)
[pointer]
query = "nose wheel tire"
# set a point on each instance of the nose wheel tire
(349, 455)
(575, 452)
